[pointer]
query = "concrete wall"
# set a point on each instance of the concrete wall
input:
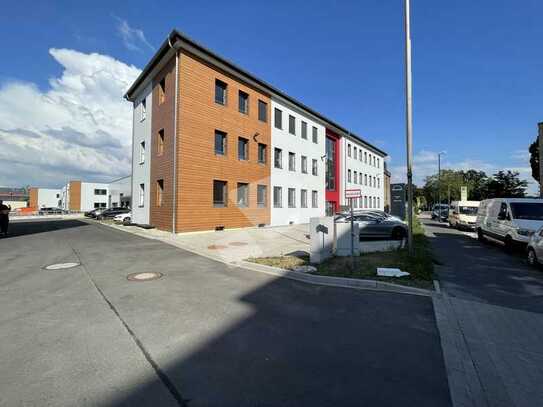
(120, 192)
(89, 198)
(372, 190)
(284, 178)
(48, 198)
(141, 169)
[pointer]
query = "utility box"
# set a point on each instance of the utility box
(397, 200)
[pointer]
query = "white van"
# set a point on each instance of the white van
(463, 214)
(511, 220)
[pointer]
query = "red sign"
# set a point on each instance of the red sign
(353, 193)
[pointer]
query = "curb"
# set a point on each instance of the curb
(341, 282)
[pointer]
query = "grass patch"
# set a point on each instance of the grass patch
(420, 265)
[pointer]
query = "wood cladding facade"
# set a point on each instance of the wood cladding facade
(33, 198)
(198, 165)
(75, 195)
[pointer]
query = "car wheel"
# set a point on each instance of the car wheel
(126, 221)
(531, 257)
(480, 235)
(398, 233)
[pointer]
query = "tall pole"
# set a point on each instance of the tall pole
(439, 184)
(409, 124)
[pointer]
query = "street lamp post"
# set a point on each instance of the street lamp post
(439, 182)
(409, 124)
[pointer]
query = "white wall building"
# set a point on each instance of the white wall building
(297, 156)
(48, 198)
(362, 168)
(94, 195)
(141, 156)
(120, 191)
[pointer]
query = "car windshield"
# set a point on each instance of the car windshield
(527, 210)
(468, 210)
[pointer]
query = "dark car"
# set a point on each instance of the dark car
(50, 211)
(110, 213)
(91, 213)
(373, 224)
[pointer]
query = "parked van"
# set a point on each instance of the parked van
(463, 214)
(511, 220)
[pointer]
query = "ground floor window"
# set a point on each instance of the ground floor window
(315, 199)
(243, 194)
(159, 192)
(303, 198)
(330, 208)
(291, 198)
(99, 205)
(277, 197)
(142, 195)
(220, 193)
(261, 196)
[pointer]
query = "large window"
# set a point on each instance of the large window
(160, 143)
(142, 152)
(314, 167)
(304, 164)
(277, 197)
(262, 153)
(315, 135)
(243, 148)
(159, 192)
(315, 199)
(330, 164)
(278, 158)
(278, 118)
(262, 111)
(304, 130)
(261, 196)
(303, 198)
(291, 161)
(291, 198)
(220, 193)
(220, 92)
(291, 124)
(220, 142)
(243, 102)
(142, 196)
(100, 192)
(243, 194)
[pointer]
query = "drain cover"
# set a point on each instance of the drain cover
(146, 276)
(61, 266)
(238, 243)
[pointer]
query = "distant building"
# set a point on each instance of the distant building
(14, 197)
(44, 198)
(120, 193)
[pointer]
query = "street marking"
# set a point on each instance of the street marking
(61, 266)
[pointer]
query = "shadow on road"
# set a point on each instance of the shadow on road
(22, 228)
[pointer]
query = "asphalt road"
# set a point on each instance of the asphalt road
(205, 334)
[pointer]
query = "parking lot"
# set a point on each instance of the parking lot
(204, 334)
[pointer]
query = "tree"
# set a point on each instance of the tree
(534, 159)
(451, 183)
(506, 185)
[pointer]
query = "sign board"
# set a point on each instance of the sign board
(463, 193)
(353, 193)
(397, 200)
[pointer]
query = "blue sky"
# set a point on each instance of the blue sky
(477, 65)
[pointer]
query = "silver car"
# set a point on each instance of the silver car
(372, 224)
(534, 249)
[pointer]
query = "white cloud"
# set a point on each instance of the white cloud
(80, 128)
(133, 38)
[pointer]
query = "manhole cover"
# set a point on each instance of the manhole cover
(216, 247)
(146, 276)
(61, 266)
(238, 244)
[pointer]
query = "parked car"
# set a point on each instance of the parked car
(440, 212)
(534, 249)
(510, 220)
(111, 213)
(463, 214)
(124, 218)
(91, 213)
(50, 211)
(372, 225)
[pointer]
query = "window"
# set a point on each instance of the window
(262, 153)
(314, 167)
(315, 199)
(348, 175)
(243, 194)
(278, 158)
(100, 192)
(355, 153)
(315, 135)
(370, 202)
(355, 180)
(378, 202)
(160, 145)
(220, 193)
(142, 195)
(374, 161)
(277, 197)
(304, 130)
(291, 161)
(366, 179)
(348, 150)
(243, 102)
(262, 111)
(261, 195)
(291, 124)
(143, 109)
(355, 203)
(360, 158)
(159, 192)
(330, 164)
(58, 195)
(304, 164)
(303, 198)
(142, 152)
(243, 148)
(378, 183)
(370, 180)
(278, 119)
(360, 178)
(365, 201)
(220, 142)
(374, 201)
(377, 162)
(365, 157)
(220, 92)
(291, 198)
(162, 91)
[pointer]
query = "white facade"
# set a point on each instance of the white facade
(120, 192)
(141, 156)
(49, 198)
(300, 210)
(93, 196)
(362, 168)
